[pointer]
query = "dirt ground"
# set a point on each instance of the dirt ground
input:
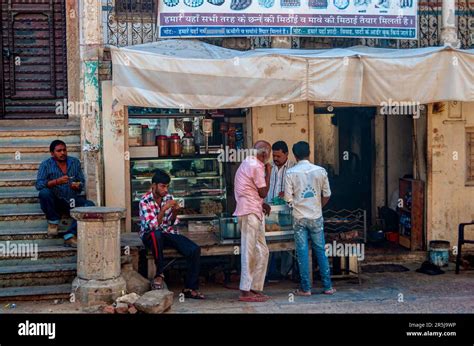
(389, 292)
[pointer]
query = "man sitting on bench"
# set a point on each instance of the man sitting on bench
(158, 221)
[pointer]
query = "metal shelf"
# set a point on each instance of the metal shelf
(339, 221)
(182, 178)
(223, 196)
(184, 158)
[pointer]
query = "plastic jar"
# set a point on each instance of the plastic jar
(175, 144)
(162, 142)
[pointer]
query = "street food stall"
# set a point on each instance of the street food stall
(175, 104)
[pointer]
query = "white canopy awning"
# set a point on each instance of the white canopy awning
(193, 74)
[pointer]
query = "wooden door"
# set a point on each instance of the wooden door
(33, 62)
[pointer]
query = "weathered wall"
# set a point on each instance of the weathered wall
(400, 157)
(326, 142)
(450, 200)
(91, 48)
(73, 56)
(290, 123)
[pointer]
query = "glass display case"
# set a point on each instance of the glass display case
(197, 183)
(279, 222)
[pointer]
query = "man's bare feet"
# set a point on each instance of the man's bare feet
(330, 291)
(157, 283)
(259, 294)
(302, 293)
(249, 296)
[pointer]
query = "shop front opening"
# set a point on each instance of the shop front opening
(377, 170)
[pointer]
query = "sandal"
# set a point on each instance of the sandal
(189, 294)
(253, 299)
(330, 291)
(260, 294)
(157, 286)
(301, 293)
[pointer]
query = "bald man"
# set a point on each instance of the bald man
(252, 181)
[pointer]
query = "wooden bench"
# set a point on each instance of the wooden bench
(210, 246)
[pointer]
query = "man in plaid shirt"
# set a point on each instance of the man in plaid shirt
(158, 221)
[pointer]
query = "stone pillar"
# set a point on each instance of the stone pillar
(98, 280)
(449, 33)
(91, 49)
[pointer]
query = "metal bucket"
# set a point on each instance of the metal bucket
(439, 252)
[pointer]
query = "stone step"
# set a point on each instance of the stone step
(37, 275)
(26, 147)
(38, 141)
(39, 131)
(7, 197)
(13, 165)
(17, 178)
(30, 157)
(20, 231)
(56, 240)
(18, 192)
(34, 293)
(13, 254)
(34, 226)
(20, 209)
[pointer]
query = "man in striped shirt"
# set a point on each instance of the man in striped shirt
(60, 182)
(281, 163)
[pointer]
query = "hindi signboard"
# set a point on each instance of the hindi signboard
(395, 19)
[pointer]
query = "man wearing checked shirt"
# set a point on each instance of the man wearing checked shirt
(158, 211)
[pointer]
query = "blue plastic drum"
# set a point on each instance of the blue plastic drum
(439, 252)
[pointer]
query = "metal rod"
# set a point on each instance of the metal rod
(385, 125)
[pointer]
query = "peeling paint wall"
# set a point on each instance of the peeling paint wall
(73, 57)
(450, 200)
(326, 142)
(400, 158)
(91, 48)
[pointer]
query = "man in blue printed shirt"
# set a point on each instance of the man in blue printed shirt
(60, 182)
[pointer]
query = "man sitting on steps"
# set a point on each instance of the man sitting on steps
(60, 181)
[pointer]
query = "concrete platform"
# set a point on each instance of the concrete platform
(406, 292)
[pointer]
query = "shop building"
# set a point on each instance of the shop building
(380, 149)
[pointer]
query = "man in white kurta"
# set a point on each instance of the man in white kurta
(252, 181)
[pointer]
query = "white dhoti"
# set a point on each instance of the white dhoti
(254, 253)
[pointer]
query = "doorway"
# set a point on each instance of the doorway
(33, 61)
(344, 146)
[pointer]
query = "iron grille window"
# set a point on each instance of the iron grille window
(134, 8)
(470, 155)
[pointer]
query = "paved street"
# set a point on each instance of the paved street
(378, 293)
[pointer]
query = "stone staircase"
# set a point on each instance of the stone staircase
(48, 273)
